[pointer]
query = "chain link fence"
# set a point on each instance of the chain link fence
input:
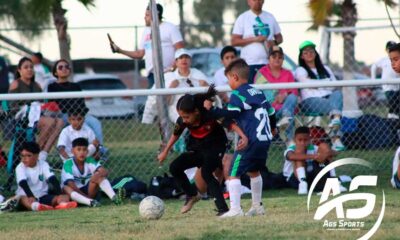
(131, 147)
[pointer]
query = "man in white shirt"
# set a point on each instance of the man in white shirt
(392, 92)
(42, 73)
(256, 31)
(171, 40)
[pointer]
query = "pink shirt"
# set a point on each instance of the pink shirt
(264, 75)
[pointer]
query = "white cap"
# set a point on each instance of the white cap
(182, 51)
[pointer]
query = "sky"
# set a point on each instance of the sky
(93, 43)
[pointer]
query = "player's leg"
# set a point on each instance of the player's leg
(62, 201)
(256, 184)
(105, 185)
(300, 173)
(211, 162)
(80, 198)
(177, 169)
(226, 165)
(234, 186)
(200, 183)
(34, 205)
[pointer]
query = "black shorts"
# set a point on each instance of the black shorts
(47, 199)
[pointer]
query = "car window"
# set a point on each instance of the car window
(208, 63)
(102, 84)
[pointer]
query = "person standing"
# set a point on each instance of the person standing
(171, 40)
(256, 31)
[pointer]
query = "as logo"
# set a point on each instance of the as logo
(349, 218)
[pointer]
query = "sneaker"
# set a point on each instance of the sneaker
(303, 188)
(392, 116)
(256, 210)
(9, 205)
(190, 201)
(67, 205)
(119, 196)
(44, 207)
(335, 123)
(95, 203)
(338, 146)
(393, 182)
(284, 122)
(233, 213)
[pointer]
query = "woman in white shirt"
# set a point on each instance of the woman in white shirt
(319, 100)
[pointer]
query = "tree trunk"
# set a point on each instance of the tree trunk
(61, 25)
(182, 24)
(350, 101)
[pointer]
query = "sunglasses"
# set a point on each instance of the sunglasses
(61, 67)
(188, 81)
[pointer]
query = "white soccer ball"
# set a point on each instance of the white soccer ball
(151, 207)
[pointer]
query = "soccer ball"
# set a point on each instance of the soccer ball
(151, 207)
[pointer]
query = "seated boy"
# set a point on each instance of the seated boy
(33, 177)
(76, 129)
(83, 176)
(304, 160)
(395, 180)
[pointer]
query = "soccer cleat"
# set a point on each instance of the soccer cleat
(335, 124)
(9, 205)
(256, 210)
(95, 203)
(338, 146)
(303, 188)
(67, 205)
(44, 207)
(233, 213)
(190, 201)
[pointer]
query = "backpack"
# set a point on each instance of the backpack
(130, 184)
(164, 187)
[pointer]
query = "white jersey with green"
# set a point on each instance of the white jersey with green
(71, 172)
(288, 166)
(36, 177)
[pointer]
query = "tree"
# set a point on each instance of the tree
(346, 11)
(33, 15)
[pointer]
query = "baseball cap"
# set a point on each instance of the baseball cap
(182, 51)
(390, 44)
(306, 44)
(275, 49)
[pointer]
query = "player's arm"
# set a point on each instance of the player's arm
(62, 152)
(24, 185)
(71, 184)
(243, 142)
(178, 130)
(300, 156)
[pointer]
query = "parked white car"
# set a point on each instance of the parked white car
(105, 107)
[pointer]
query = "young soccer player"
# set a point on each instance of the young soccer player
(250, 109)
(83, 176)
(228, 54)
(395, 180)
(33, 177)
(304, 160)
(205, 148)
(76, 129)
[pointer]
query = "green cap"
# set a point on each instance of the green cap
(306, 44)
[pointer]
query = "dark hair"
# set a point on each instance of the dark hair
(54, 69)
(322, 72)
(20, 63)
(240, 67)
(80, 142)
(390, 44)
(394, 48)
(226, 50)
(39, 55)
(189, 103)
(302, 130)
(160, 10)
(79, 110)
(31, 147)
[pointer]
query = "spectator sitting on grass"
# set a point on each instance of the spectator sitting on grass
(82, 177)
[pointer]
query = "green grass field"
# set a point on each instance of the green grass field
(133, 150)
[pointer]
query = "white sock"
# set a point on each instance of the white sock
(332, 172)
(43, 156)
(234, 193)
(227, 185)
(35, 206)
(301, 173)
(256, 190)
(105, 186)
(80, 198)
